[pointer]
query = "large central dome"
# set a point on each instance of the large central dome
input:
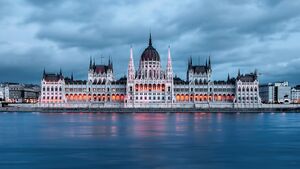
(150, 53)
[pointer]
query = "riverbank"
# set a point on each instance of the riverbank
(146, 110)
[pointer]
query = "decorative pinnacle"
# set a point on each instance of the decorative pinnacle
(150, 40)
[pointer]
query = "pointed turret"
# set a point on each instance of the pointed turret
(131, 70)
(94, 63)
(60, 74)
(72, 77)
(91, 62)
(209, 64)
(239, 73)
(190, 63)
(228, 78)
(44, 73)
(255, 74)
(169, 65)
(110, 63)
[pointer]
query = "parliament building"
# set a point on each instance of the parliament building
(149, 85)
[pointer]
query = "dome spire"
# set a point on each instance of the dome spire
(150, 40)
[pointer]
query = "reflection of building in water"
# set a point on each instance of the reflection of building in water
(150, 85)
(147, 125)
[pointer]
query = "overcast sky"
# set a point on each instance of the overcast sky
(245, 34)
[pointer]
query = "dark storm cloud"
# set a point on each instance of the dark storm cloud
(245, 34)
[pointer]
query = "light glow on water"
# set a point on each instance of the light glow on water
(149, 140)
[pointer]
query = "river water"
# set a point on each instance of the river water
(149, 140)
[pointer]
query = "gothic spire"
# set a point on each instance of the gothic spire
(150, 40)
(72, 76)
(169, 64)
(131, 71)
(131, 58)
(110, 63)
(239, 73)
(90, 62)
(44, 72)
(190, 63)
(209, 65)
(228, 77)
(255, 73)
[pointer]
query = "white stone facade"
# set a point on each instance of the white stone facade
(151, 85)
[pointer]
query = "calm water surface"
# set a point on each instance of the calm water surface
(138, 141)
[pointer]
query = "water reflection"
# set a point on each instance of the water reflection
(149, 125)
(149, 140)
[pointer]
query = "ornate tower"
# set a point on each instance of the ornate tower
(129, 100)
(170, 98)
(169, 66)
(131, 70)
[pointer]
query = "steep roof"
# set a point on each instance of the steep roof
(52, 77)
(200, 69)
(247, 77)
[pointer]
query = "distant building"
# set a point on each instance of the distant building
(2, 92)
(279, 92)
(20, 93)
(295, 94)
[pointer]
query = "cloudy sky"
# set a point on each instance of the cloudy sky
(245, 34)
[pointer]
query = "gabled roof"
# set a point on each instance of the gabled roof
(100, 68)
(52, 77)
(200, 69)
(247, 77)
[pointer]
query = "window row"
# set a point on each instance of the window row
(52, 89)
